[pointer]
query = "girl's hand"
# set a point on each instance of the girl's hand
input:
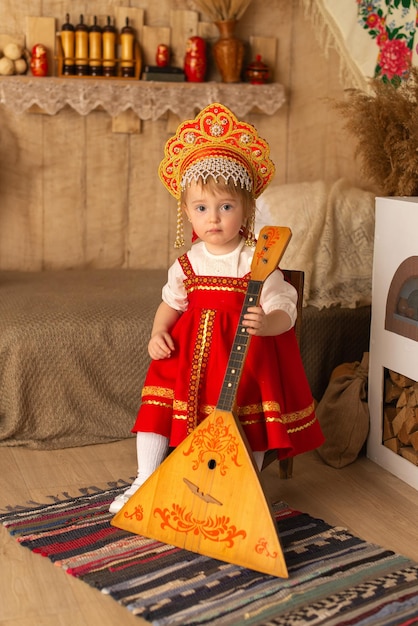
(160, 346)
(255, 321)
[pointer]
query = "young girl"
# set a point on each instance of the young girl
(216, 166)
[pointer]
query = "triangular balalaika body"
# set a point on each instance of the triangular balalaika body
(206, 497)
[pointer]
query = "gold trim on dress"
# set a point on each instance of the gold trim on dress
(299, 415)
(265, 407)
(180, 405)
(193, 282)
(285, 418)
(161, 392)
(199, 363)
(215, 288)
(303, 426)
(182, 418)
(156, 403)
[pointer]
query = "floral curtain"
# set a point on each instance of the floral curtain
(392, 25)
(374, 38)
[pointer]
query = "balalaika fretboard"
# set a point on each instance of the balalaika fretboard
(239, 350)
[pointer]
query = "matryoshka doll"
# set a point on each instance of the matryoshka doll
(195, 60)
(162, 56)
(39, 60)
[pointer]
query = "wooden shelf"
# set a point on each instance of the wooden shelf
(148, 100)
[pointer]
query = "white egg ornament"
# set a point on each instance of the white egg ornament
(20, 66)
(7, 66)
(13, 51)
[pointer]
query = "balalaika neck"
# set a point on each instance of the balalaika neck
(239, 349)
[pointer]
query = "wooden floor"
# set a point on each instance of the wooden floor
(361, 497)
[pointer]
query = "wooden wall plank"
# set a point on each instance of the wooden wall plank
(136, 18)
(13, 15)
(151, 38)
(126, 122)
(150, 204)
(21, 191)
(208, 31)
(183, 25)
(64, 190)
(107, 191)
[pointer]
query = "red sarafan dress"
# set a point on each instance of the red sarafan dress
(274, 401)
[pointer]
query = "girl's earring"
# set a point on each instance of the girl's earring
(179, 243)
(250, 239)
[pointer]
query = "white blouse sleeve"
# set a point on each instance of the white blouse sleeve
(277, 293)
(174, 293)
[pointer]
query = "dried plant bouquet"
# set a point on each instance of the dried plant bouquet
(385, 124)
(223, 10)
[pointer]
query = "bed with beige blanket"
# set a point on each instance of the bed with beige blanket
(73, 343)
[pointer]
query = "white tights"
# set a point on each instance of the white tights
(259, 458)
(151, 450)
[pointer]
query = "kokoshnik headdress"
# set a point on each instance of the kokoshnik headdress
(215, 144)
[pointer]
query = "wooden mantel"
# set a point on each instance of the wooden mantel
(148, 100)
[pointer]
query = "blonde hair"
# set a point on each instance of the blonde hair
(218, 186)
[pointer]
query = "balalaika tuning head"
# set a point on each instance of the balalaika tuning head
(271, 245)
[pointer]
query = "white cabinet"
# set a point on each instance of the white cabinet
(394, 330)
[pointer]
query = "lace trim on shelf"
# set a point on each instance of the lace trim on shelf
(149, 100)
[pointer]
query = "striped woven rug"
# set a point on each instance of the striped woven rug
(335, 578)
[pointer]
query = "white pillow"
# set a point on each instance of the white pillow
(332, 238)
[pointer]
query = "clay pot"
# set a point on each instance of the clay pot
(228, 52)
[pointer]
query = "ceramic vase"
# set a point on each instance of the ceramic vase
(228, 52)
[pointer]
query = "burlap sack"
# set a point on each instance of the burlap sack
(344, 414)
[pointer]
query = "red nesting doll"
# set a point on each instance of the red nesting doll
(162, 57)
(39, 60)
(195, 60)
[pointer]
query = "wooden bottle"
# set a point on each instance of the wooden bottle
(127, 40)
(109, 49)
(95, 49)
(68, 42)
(81, 48)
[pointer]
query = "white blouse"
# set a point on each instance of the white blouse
(276, 292)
